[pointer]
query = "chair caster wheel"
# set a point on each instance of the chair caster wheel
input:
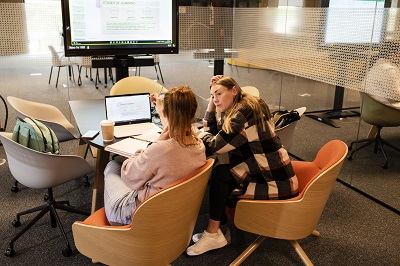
(9, 252)
(15, 189)
(86, 182)
(385, 166)
(67, 252)
(350, 157)
(16, 223)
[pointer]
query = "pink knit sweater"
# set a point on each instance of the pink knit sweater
(160, 165)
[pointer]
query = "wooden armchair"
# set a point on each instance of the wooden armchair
(161, 228)
(294, 218)
(136, 84)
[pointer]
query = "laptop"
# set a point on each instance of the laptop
(131, 114)
(202, 104)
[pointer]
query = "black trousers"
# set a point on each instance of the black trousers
(222, 184)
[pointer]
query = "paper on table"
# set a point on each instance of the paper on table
(127, 147)
(148, 136)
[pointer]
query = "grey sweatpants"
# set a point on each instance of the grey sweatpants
(119, 199)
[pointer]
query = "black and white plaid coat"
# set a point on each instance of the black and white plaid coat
(259, 163)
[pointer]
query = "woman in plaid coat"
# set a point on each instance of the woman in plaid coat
(251, 158)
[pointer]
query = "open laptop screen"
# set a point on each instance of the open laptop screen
(128, 108)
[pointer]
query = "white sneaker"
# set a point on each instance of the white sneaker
(227, 236)
(206, 243)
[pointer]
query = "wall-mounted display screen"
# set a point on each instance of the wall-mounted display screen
(354, 22)
(119, 27)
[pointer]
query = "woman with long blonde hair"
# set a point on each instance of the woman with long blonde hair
(251, 159)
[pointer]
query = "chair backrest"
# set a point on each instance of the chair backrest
(55, 58)
(378, 114)
(59, 60)
(156, 58)
(41, 170)
(85, 61)
(136, 84)
(251, 90)
(296, 218)
(47, 114)
(161, 227)
(286, 133)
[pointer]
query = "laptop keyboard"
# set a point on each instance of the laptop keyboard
(134, 129)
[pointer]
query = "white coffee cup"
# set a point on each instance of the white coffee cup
(107, 130)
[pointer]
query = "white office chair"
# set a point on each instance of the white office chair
(59, 60)
(50, 116)
(42, 171)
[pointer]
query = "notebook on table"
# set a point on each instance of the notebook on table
(131, 114)
(128, 146)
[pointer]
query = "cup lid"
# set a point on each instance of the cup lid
(107, 122)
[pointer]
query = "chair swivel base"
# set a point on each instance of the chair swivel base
(50, 207)
(260, 239)
(86, 182)
(378, 141)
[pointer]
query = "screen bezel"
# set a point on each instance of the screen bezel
(119, 49)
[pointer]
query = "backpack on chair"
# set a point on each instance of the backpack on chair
(35, 135)
(284, 118)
